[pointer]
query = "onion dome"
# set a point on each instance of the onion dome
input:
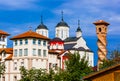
(42, 26)
(62, 22)
(78, 29)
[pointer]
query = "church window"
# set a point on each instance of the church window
(34, 52)
(44, 53)
(20, 52)
(26, 41)
(25, 52)
(20, 41)
(39, 42)
(62, 33)
(15, 52)
(39, 52)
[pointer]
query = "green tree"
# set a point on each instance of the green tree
(2, 69)
(76, 68)
(114, 59)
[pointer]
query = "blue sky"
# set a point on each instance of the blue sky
(16, 16)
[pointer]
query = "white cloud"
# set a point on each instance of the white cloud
(89, 11)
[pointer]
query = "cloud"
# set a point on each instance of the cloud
(89, 11)
(17, 4)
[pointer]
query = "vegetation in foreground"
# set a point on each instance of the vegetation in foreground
(76, 68)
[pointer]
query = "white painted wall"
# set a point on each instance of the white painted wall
(62, 32)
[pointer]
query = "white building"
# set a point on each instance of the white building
(36, 50)
(3, 39)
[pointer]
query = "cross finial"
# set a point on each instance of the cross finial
(78, 23)
(41, 19)
(62, 15)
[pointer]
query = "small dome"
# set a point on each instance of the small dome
(42, 26)
(78, 30)
(62, 23)
(56, 39)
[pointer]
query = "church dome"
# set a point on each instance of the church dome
(62, 23)
(42, 26)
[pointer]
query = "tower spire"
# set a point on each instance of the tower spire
(79, 29)
(62, 15)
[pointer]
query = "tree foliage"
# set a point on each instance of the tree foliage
(2, 69)
(114, 59)
(76, 68)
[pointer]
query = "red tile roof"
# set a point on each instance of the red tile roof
(99, 22)
(3, 33)
(30, 34)
(8, 51)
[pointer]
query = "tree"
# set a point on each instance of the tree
(2, 69)
(76, 68)
(114, 59)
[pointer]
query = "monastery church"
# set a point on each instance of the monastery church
(34, 49)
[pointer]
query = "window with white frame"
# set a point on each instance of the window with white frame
(15, 66)
(26, 41)
(15, 42)
(15, 53)
(22, 63)
(34, 41)
(25, 52)
(15, 78)
(20, 52)
(34, 52)
(44, 43)
(21, 42)
(39, 52)
(44, 53)
(39, 42)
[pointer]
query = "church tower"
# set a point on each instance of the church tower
(78, 31)
(101, 31)
(42, 29)
(62, 29)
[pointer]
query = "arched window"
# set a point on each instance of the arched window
(100, 29)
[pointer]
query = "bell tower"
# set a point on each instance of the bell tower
(101, 31)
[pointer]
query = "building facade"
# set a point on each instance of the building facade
(35, 50)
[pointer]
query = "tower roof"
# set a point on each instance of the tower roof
(42, 26)
(56, 39)
(29, 34)
(62, 22)
(100, 22)
(78, 29)
(3, 33)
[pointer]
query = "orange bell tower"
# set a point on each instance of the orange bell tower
(101, 31)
